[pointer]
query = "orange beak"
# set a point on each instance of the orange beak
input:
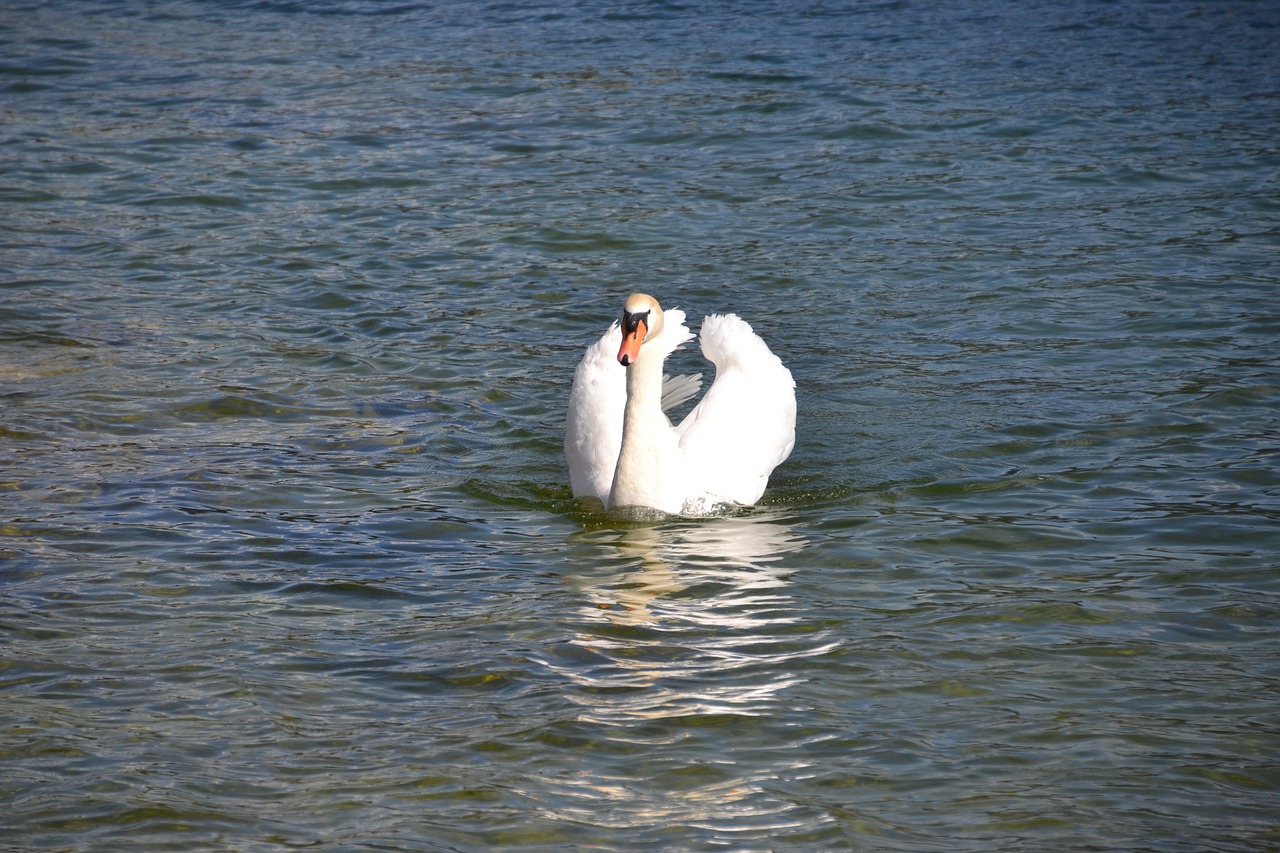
(631, 341)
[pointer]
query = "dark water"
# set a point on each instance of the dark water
(292, 295)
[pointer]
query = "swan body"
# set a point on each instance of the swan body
(624, 451)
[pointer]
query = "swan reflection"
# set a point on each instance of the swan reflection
(739, 554)
(687, 642)
(698, 616)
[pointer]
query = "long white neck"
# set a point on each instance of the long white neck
(635, 479)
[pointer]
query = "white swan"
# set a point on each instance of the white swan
(623, 450)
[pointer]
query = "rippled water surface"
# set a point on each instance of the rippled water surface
(292, 296)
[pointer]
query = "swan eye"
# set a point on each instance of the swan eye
(631, 322)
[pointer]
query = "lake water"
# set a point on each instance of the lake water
(292, 297)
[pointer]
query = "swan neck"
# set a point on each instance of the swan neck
(644, 381)
(635, 479)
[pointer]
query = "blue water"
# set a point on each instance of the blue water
(292, 294)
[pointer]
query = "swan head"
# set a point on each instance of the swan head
(641, 321)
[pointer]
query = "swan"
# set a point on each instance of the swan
(623, 450)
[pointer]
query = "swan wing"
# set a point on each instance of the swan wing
(593, 429)
(678, 389)
(745, 425)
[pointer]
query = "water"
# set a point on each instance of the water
(292, 296)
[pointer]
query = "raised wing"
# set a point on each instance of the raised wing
(745, 425)
(593, 430)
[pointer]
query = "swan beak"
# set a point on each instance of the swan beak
(632, 337)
